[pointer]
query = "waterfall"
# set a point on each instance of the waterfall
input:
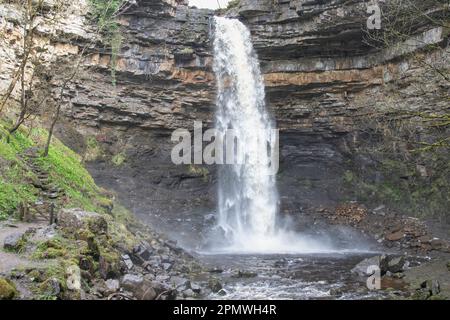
(248, 198)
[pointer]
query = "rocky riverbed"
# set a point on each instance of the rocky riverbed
(91, 256)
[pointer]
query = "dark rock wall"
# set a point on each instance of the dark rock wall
(321, 79)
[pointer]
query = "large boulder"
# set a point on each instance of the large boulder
(77, 221)
(112, 286)
(73, 281)
(14, 242)
(362, 269)
(396, 264)
(141, 288)
(392, 264)
(7, 290)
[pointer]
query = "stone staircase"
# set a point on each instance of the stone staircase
(44, 208)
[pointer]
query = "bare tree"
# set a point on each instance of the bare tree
(402, 22)
(32, 56)
(105, 13)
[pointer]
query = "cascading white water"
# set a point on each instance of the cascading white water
(248, 198)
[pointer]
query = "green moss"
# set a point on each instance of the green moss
(67, 171)
(117, 230)
(7, 290)
(47, 289)
(199, 171)
(50, 249)
(104, 14)
(233, 4)
(402, 187)
(93, 150)
(15, 177)
(349, 177)
(187, 51)
(64, 166)
(119, 159)
(56, 271)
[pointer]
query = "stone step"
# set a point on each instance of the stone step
(53, 196)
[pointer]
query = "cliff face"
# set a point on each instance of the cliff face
(164, 78)
(323, 81)
(332, 91)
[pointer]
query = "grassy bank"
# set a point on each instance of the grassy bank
(65, 168)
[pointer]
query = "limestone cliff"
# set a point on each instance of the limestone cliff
(324, 82)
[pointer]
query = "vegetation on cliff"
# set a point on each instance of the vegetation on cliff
(105, 13)
(408, 144)
(64, 166)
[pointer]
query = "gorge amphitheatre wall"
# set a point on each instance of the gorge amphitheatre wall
(323, 83)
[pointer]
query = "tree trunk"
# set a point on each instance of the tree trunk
(52, 128)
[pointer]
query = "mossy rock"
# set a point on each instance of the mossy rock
(109, 264)
(50, 289)
(50, 249)
(74, 220)
(7, 289)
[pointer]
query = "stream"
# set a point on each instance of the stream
(290, 277)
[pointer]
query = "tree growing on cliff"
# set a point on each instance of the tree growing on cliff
(29, 77)
(42, 78)
(403, 28)
(105, 13)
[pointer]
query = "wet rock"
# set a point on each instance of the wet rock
(246, 274)
(132, 281)
(127, 261)
(50, 287)
(336, 292)
(214, 285)
(196, 288)
(222, 292)
(141, 288)
(14, 242)
(173, 246)
(143, 251)
(86, 275)
(432, 287)
(438, 244)
(215, 270)
(395, 236)
(361, 269)
(178, 282)
(108, 267)
(395, 264)
(188, 293)
(112, 286)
